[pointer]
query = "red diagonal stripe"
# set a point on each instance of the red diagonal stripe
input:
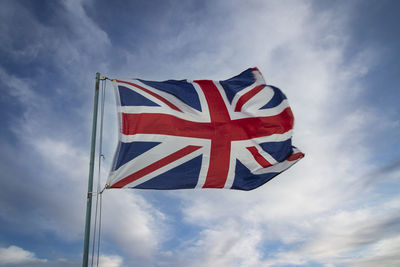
(156, 165)
(153, 94)
(258, 157)
(247, 96)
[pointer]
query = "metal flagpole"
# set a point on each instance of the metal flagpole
(91, 171)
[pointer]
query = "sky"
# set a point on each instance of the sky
(336, 61)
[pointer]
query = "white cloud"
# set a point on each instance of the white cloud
(17, 255)
(352, 237)
(382, 253)
(228, 244)
(110, 261)
(133, 223)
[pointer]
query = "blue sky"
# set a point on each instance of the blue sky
(338, 64)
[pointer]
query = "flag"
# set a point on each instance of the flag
(176, 134)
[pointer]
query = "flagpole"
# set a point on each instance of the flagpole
(91, 171)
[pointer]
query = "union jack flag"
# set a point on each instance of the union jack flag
(233, 134)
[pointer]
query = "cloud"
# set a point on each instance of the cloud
(17, 255)
(134, 224)
(351, 237)
(347, 237)
(228, 244)
(110, 261)
(384, 252)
